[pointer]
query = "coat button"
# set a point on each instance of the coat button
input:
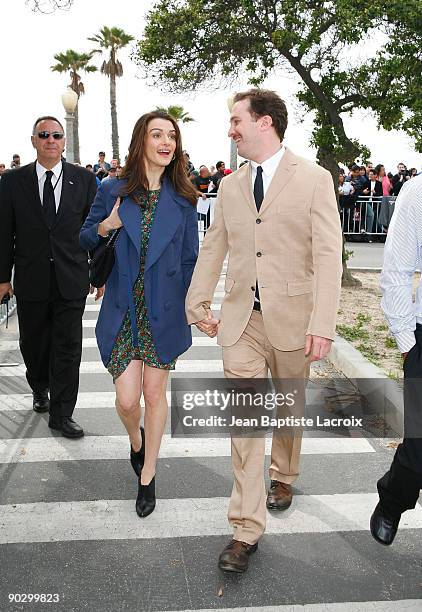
(258, 221)
(259, 254)
(252, 288)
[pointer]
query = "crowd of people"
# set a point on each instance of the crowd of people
(367, 195)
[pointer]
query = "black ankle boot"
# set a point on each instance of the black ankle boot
(145, 502)
(137, 458)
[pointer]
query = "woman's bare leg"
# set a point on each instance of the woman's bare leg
(156, 409)
(128, 401)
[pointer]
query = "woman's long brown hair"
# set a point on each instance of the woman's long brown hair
(134, 170)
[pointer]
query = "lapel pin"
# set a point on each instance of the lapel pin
(70, 183)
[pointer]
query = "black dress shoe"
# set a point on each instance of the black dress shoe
(137, 458)
(40, 401)
(235, 557)
(68, 427)
(383, 528)
(145, 502)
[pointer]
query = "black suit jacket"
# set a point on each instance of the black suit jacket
(26, 242)
(378, 188)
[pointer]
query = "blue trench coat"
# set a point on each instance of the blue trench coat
(170, 260)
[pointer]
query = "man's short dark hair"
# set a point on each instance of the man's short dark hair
(45, 118)
(219, 164)
(88, 166)
(16, 155)
(355, 167)
(266, 102)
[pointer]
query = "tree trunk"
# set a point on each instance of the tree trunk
(327, 160)
(77, 158)
(114, 127)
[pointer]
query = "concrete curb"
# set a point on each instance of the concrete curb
(381, 391)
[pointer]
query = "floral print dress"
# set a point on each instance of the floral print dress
(123, 350)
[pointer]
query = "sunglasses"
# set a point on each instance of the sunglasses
(56, 135)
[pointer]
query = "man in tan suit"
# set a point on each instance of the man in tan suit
(278, 220)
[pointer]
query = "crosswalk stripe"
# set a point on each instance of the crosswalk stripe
(96, 307)
(96, 367)
(92, 448)
(110, 519)
(404, 605)
(13, 345)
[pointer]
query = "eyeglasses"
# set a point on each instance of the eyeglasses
(56, 135)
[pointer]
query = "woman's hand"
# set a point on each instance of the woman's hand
(112, 222)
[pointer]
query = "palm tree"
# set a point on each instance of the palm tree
(112, 39)
(177, 112)
(71, 61)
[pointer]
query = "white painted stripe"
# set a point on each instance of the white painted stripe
(404, 605)
(89, 323)
(96, 367)
(13, 345)
(110, 519)
(96, 308)
(93, 448)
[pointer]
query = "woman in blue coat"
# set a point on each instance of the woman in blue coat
(142, 328)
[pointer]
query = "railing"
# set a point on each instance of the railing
(205, 218)
(366, 215)
(363, 216)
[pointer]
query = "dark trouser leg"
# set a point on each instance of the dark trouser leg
(399, 488)
(34, 341)
(66, 350)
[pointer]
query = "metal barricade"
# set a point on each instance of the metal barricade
(206, 218)
(366, 216)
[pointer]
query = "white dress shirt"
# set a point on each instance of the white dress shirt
(269, 167)
(56, 181)
(402, 256)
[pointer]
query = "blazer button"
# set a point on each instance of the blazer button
(258, 221)
(259, 254)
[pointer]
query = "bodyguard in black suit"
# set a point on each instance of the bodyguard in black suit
(42, 208)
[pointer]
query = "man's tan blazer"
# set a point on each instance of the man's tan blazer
(292, 247)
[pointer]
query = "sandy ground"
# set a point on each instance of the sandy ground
(361, 322)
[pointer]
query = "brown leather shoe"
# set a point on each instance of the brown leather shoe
(279, 496)
(235, 557)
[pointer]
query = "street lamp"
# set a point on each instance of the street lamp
(70, 101)
(233, 147)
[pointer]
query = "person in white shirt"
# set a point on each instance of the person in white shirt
(399, 488)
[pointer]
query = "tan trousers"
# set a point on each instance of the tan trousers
(251, 357)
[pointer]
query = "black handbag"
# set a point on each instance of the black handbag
(102, 260)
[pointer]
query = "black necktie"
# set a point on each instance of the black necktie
(48, 200)
(258, 188)
(258, 192)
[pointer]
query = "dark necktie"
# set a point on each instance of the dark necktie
(48, 200)
(258, 192)
(258, 188)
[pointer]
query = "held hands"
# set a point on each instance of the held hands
(317, 347)
(5, 288)
(209, 325)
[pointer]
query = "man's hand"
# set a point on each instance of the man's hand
(209, 325)
(100, 292)
(5, 288)
(404, 355)
(317, 347)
